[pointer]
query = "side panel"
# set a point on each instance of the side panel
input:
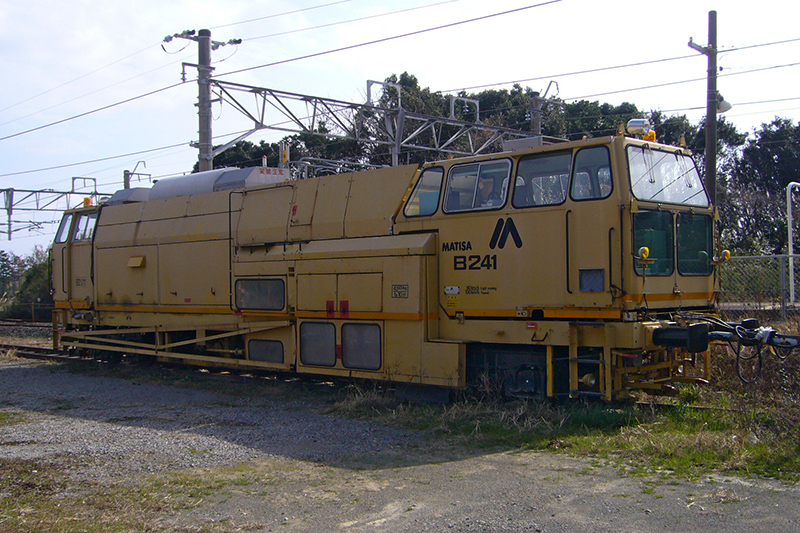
(374, 197)
(129, 275)
(360, 292)
(194, 274)
(264, 216)
(316, 292)
(81, 286)
(332, 194)
(305, 198)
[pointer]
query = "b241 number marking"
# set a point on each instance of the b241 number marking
(475, 262)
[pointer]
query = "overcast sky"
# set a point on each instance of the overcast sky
(63, 59)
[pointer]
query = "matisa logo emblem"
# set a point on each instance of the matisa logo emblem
(502, 230)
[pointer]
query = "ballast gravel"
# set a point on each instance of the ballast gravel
(308, 470)
(127, 427)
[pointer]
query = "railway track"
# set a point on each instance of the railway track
(37, 352)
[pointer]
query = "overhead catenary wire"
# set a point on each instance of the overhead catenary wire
(615, 67)
(360, 19)
(317, 54)
(257, 19)
(87, 74)
(386, 39)
(89, 93)
(103, 108)
(666, 84)
(413, 33)
(76, 79)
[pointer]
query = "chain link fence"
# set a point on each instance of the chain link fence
(763, 287)
(28, 311)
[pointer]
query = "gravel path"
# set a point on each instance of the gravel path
(127, 427)
(285, 465)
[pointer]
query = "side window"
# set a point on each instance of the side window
(542, 179)
(84, 227)
(318, 343)
(424, 199)
(268, 294)
(477, 186)
(361, 346)
(592, 174)
(63, 229)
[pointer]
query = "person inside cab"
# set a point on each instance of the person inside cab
(487, 195)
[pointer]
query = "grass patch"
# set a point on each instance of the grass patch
(672, 439)
(9, 419)
(37, 496)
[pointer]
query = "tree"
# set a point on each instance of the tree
(7, 272)
(34, 273)
(753, 213)
(246, 154)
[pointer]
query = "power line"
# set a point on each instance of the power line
(91, 112)
(627, 65)
(351, 20)
(759, 45)
(76, 79)
(144, 50)
(67, 165)
(110, 158)
(565, 74)
(751, 71)
(385, 39)
(89, 93)
(281, 14)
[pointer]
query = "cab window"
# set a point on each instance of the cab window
(592, 177)
(654, 229)
(424, 200)
(477, 186)
(84, 227)
(63, 229)
(542, 179)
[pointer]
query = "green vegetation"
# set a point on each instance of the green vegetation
(8, 419)
(733, 428)
(37, 496)
(25, 286)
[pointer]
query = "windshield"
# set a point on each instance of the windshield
(662, 176)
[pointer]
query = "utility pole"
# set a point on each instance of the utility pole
(536, 114)
(712, 101)
(205, 159)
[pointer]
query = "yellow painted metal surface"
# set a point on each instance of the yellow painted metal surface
(557, 281)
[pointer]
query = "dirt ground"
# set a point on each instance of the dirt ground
(234, 455)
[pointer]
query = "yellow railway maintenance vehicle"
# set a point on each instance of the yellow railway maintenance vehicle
(573, 268)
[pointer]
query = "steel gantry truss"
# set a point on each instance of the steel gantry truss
(394, 127)
(45, 201)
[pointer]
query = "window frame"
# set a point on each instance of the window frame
(560, 177)
(237, 292)
(637, 192)
(679, 244)
(345, 346)
(330, 358)
(415, 197)
(644, 269)
(448, 190)
(64, 232)
(83, 230)
(576, 169)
